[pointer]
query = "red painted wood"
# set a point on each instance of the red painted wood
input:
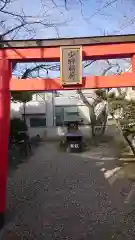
(5, 75)
(101, 51)
(40, 84)
(133, 63)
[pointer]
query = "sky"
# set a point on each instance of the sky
(80, 18)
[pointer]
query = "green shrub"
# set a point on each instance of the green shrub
(18, 129)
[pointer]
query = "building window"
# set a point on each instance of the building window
(59, 116)
(72, 113)
(37, 122)
(59, 120)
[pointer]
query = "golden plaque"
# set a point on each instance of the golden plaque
(71, 65)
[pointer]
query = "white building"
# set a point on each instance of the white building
(46, 113)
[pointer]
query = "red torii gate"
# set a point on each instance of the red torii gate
(93, 48)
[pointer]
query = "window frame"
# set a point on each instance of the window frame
(36, 119)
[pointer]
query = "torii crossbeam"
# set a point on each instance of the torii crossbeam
(93, 48)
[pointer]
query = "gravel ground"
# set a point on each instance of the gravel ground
(58, 195)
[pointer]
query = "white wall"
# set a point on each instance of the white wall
(30, 107)
(49, 109)
(15, 110)
(37, 131)
(58, 132)
(33, 131)
(34, 107)
(84, 113)
(46, 106)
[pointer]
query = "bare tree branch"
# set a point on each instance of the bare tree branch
(47, 25)
(3, 4)
(26, 22)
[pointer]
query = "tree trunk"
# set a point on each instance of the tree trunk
(102, 118)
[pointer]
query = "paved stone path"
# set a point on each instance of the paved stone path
(57, 195)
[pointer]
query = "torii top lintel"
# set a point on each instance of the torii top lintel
(48, 50)
(100, 47)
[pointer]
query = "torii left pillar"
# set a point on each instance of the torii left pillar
(5, 75)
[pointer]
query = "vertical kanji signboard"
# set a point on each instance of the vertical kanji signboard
(71, 65)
